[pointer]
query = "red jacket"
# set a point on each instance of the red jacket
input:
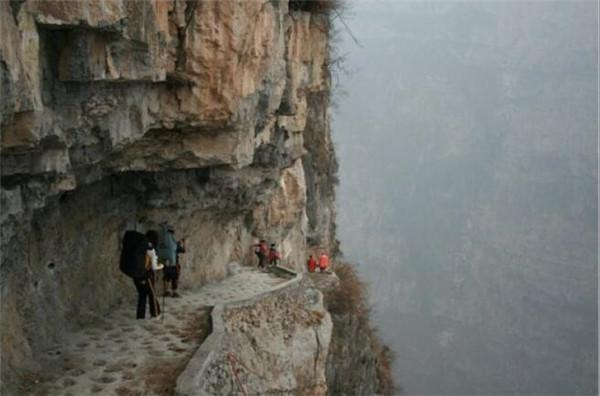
(274, 255)
(261, 248)
(323, 261)
(312, 264)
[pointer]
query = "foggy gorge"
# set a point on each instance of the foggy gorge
(467, 140)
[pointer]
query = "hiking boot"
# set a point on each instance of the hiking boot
(176, 295)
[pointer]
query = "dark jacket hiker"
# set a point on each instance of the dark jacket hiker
(138, 260)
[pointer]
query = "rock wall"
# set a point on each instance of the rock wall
(120, 114)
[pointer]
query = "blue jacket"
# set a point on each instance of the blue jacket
(167, 247)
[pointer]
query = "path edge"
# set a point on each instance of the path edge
(189, 382)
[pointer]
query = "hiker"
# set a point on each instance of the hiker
(256, 247)
(180, 250)
(311, 263)
(167, 254)
(274, 255)
(138, 261)
(323, 262)
(261, 250)
(152, 267)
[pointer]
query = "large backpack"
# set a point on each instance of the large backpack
(133, 255)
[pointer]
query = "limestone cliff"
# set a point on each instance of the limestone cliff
(121, 114)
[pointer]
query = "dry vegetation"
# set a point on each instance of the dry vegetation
(385, 357)
(350, 298)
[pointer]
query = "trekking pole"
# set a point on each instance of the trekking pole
(164, 292)
(154, 297)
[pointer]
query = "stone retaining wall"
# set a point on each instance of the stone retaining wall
(273, 342)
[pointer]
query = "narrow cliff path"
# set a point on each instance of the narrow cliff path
(119, 355)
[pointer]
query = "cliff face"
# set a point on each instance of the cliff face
(123, 114)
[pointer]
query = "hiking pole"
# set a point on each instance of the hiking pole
(164, 293)
(154, 297)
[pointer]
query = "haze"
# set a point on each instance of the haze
(468, 198)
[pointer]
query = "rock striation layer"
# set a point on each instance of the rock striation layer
(121, 114)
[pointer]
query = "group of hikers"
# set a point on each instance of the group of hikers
(270, 256)
(142, 256)
(323, 263)
(266, 255)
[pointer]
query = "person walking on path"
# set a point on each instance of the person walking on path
(262, 251)
(323, 262)
(146, 286)
(180, 250)
(311, 264)
(167, 254)
(139, 262)
(256, 247)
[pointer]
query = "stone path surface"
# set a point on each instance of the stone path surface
(122, 356)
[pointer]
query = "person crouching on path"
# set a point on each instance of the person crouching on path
(323, 262)
(145, 286)
(167, 254)
(311, 264)
(274, 255)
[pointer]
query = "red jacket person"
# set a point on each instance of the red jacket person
(323, 262)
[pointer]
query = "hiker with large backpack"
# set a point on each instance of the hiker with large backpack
(139, 262)
(167, 254)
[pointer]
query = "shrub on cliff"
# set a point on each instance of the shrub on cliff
(385, 379)
(349, 297)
